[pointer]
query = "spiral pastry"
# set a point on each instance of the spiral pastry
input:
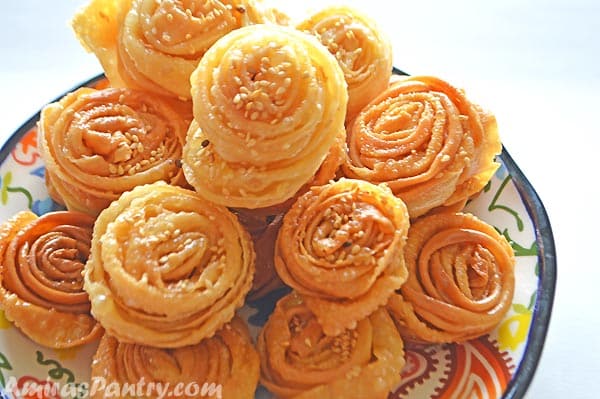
(362, 50)
(168, 268)
(41, 286)
(426, 141)
(269, 104)
(97, 144)
(299, 361)
(460, 279)
(228, 361)
(156, 45)
(340, 246)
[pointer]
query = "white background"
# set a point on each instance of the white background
(536, 64)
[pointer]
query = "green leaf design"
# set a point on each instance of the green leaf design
(532, 300)
(6, 188)
(518, 248)
(23, 191)
(494, 204)
(4, 364)
(520, 308)
(58, 371)
(6, 180)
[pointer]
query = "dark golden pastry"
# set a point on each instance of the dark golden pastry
(41, 285)
(299, 361)
(340, 247)
(97, 144)
(460, 279)
(427, 141)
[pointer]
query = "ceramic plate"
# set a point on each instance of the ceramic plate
(498, 365)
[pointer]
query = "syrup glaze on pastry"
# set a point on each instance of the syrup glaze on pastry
(299, 361)
(460, 283)
(41, 285)
(155, 45)
(427, 141)
(269, 104)
(340, 246)
(168, 268)
(228, 361)
(362, 50)
(97, 144)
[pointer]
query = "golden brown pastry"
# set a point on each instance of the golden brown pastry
(167, 268)
(97, 144)
(263, 231)
(155, 45)
(299, 361)
(362, 50)
(224, 366)
(460, 279)
(269, 104)
(340, 246)
(41, 286)
(427, 141)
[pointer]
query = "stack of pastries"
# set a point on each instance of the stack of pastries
(237, 151)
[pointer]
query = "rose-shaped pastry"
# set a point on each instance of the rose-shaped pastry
(425, 140)
(362, 50)
(167, 268)
(340, 246)
(299, 361)
(269, 104)
(224, 366)
(460, 283)
(155, 45)
(97, 144)
(41, 285)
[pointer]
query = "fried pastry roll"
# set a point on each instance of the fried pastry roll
(41, 285)
(340, 246)
(224, 366)
(362, 50)
(269, 104)
(427, 141)
(155, 45)
(299, 361)
(460, 279)
(167, 268)
(97, 144)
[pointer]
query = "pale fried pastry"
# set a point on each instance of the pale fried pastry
(97, 144)
(269, 104)
(299, 361)
(41, 285)
(361, 48)
(340, 246)
(167, 268)
(155, 45)
(224, 366)
(427, 141)
(460, 283)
